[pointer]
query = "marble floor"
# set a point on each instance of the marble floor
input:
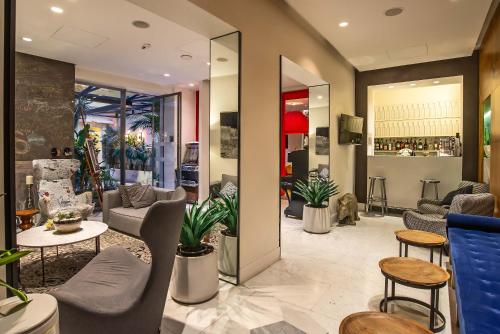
(319, 280)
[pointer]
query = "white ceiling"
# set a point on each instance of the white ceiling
(99, 35)
(427, 30)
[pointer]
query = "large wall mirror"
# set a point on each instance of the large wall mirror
(305, 136)
(225, 147)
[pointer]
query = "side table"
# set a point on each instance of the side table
(39, 316)
(421, 239)
(26, 217)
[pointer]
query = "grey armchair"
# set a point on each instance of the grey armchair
(472, 204)
(116, 293)
(127, 220)
(430, 206)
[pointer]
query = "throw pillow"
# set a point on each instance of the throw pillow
(141, 196)
(228, 178)
(124, 195)
(449, 197)
(229, 189)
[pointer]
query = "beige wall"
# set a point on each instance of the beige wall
(188, 117)
(268, 31)
(204, 139)
(2, 184)
(223, 98)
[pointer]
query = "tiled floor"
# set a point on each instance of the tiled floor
(319, 280)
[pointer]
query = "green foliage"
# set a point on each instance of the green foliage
(228, 205)
(316, 191)
(198, 222)
(148, 121)
(7, 257)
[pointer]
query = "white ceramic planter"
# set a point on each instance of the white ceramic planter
(195, 279)
(316, 220)
(228, 254)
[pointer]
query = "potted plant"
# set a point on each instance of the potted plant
(195, 276)
(316, 212)
(7, 257)
(228, 242)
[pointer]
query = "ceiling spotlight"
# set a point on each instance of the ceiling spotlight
(186, 57)
(435, 82)
(191, 85)
(222, 60)
(319, 97)
(343, 24)
(27, 39)
(146, 46)
(57, 10)
(413, 84)
(166, 75)
(394, 11)
(208, 63)
(140, 24)
(391, 86)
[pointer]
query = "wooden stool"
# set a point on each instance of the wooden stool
(421, 239)
(379, 323)
(430, 181)
(418, 274)
(383, 194)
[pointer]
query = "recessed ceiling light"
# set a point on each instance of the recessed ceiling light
(391, 86)
(208, 63)
(343, 24)
(27, 39)
(57, 10)
(435, 82)
(413, 84)
(140, 24)
(222, 60)
(319, 97)
(186, 57)
(191, 85)
(166, 75)
(394, 11)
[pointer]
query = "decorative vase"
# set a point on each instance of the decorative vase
(228, 254)
(316, 220)
(195, 278)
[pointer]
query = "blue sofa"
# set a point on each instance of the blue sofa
(475, 257)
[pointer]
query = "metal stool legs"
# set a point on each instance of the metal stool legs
(383, 195)
(433, 182)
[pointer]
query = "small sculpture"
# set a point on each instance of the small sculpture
(347, 209)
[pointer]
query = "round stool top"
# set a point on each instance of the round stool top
(413, 271)
(29, 317)
(377, 177)
(379, 323)
(430, 181)
(420, 238)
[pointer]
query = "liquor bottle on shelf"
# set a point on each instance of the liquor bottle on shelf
(385, 145)
(389, 145)
(436, 145)
(413, 144)
(377, 145)
(426, 146)
(458, 146)
(398, 145)
(420, 147)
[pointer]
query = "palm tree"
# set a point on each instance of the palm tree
(149, 121)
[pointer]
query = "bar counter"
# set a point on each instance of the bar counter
(403, 175)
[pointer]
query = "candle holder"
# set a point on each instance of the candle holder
(29, 197)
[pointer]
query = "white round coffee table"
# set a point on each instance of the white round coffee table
(38, 237)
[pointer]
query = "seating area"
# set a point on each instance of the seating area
(250, 167)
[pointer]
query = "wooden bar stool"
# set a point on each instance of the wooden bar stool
(434, 182)
(382, 199)
(421, 239)
(379, 323)
(418, 274)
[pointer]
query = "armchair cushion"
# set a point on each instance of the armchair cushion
(124, 196)
(141, 196)
(449, 197)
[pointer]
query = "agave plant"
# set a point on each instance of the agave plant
(229, 205)
(7, 257)
(316, 191)
(198, 222)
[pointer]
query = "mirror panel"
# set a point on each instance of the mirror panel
(224, 144)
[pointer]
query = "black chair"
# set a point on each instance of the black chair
(300, 171)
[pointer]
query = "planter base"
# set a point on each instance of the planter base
(317, 220)
(195, 279)
(228, 253)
